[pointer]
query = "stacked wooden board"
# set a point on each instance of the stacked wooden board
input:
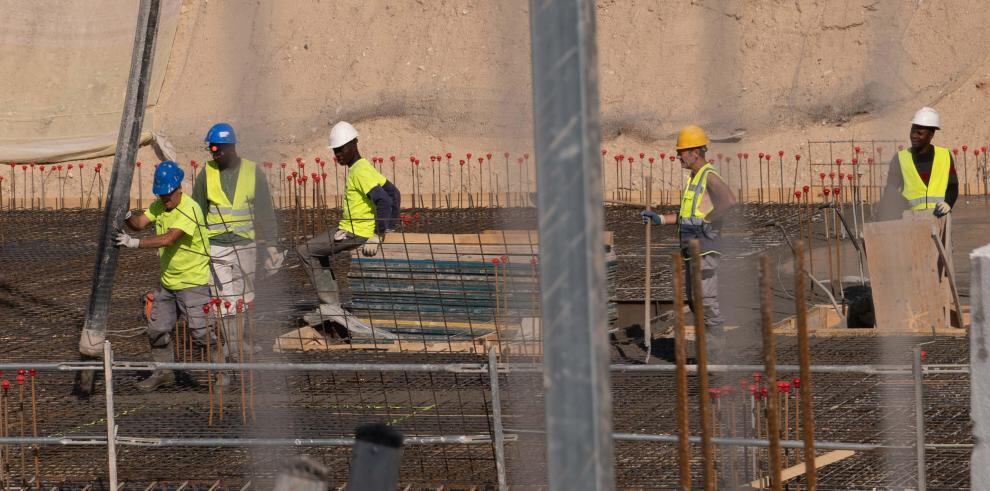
(438, 288)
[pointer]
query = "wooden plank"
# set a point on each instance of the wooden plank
(902, 262)
(798, 470)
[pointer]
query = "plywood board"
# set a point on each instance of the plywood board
(902, 260)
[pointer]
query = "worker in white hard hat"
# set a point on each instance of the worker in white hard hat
(922, 177)
(240, 220)
(370, 208)
(705, 202)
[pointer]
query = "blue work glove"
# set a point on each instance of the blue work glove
(650, 216)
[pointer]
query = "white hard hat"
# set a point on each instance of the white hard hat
(927, 117)
(341, 134)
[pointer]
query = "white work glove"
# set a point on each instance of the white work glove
(370, 247)
(128, 215)
(339, 235)
(274, 259)
(942, 209)
(124, 240)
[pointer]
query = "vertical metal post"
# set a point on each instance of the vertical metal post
(111, 424)
(770, 367)
(979, 366)
(497, 416)
(804, 358)
(919, 417)
(118, 198)
(572, 257)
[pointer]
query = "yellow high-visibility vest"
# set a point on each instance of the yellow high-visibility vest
(226, 217)
(918, 195)
(691, 218)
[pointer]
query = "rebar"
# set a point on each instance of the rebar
(804, 354)
(680, 354)
(708, 450)
(770, 368)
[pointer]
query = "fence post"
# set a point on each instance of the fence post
(111, 424)
(919, 417)
(980, 367)
(497, 416)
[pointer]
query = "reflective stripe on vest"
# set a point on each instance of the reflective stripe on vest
(918, 195)
(223, 216)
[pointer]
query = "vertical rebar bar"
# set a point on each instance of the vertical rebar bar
(647, 288)
(770, 368)
(701, 345)
(680, 356)
(804, 359)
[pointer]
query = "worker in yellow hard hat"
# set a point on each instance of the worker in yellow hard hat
(704, 205)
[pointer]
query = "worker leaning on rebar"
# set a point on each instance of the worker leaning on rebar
(183, 252)
(240, 218)
(922, 177)
(704, 205)
(370, 208)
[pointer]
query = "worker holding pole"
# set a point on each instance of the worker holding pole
(184, 257)
(370, 208)
(240, 218)
(705, 202)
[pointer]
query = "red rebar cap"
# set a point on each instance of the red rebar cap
(20, 379)
(806, 189)
(641, 155)
(526, 156)
(215, 301)
(757, 376)
(488, 155)
(780, 152)
(663, 155)
(604, 152)
(715, 393)
(761, 155)
(836, 191)
(495, 261)
(672, 158)
(797, 194)
(206, 309)
(763, 392)
(32, 372)
(226, 304)
(651, 159)
(5, 385)
(752, 389)
(298, 159)
(462, 161)
(468, 155)
(965, 147)
(826, 191)
(797, 156)
(857, 148)
(745, 155)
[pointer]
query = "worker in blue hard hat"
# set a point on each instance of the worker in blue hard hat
(240, 219)
(184, 257)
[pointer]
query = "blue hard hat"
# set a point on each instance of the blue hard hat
(221, 133)
(168, 177)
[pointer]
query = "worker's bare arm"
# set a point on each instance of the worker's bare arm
(168, 238)
(722, 198)
(137, 222)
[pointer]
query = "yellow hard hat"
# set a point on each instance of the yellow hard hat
(691, 137)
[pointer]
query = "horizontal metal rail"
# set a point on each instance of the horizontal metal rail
(466, 367)
(242, 442)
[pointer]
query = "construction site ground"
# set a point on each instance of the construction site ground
(47, 261)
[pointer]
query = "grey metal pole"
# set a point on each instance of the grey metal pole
(497, 417)
(572, 262)
(118, 197)
(979, 357)
(111, 423)
(919, 418)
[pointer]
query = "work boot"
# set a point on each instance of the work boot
(159, 378)
(335, 313)
(326, 286)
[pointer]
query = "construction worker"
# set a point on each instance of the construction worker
(922, 177)
(183, 252)
(370, 208)
(704, 205)
(240, 219)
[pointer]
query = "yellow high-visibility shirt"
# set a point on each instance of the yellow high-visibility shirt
(186, 263)
(358, 215)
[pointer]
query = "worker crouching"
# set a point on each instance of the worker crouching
(184, 258)
(704, 204)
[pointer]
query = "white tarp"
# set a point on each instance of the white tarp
(64, 69)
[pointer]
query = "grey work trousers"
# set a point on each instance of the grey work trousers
(714, 323)
(318, 251)
(165, 311)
